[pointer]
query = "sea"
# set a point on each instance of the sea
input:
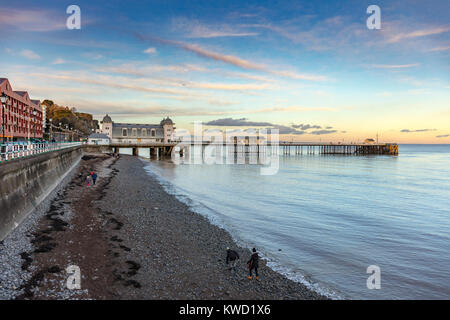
(349, 227)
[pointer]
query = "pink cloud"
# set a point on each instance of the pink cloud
(31, 20)
(418, 33)
(234, 60)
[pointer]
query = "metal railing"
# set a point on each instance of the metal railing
(19, 150)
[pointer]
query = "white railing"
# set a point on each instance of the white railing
(19, 150)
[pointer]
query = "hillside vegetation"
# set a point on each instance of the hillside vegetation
(69, 116)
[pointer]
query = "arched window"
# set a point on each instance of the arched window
(124, 132)
(153, 132)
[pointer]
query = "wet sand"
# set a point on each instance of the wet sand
(132, 240)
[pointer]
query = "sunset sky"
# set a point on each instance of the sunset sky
(312, 69)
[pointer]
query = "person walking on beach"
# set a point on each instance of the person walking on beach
(94, 177)
(88, 180)
(232, 257)
(253, 264)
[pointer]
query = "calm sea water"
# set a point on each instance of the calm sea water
(322, 220)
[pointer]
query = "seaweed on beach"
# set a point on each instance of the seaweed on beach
(89, 157)
(27, 260)
(133, 283)
(116, 239)
(117, 223)
(125, 248)
(56, 223)
(30, 284)
(133, 267)
(54, 269)
(45, 248)
(41, 238)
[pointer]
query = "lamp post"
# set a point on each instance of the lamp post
(51, 129)
(3, 100)
(34, 124)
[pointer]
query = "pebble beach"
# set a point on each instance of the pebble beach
(130, 240)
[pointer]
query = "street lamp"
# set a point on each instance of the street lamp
(51, 129)
(3, 100)
(34, 124)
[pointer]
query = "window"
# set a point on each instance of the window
(134, 132)
(153, 133)
(144, 132)
(124, 132)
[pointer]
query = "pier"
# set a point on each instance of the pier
(158, 149)
(344, 149)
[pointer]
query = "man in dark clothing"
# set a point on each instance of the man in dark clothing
(232, 257)
(253, 264)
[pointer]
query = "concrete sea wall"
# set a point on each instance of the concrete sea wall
(25, 183)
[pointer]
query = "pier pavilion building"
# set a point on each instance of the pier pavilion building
(134, 133)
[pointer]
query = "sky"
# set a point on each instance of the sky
(312, 69)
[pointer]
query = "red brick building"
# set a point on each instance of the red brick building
(21, 123)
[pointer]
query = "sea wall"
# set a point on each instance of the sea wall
(26, 182)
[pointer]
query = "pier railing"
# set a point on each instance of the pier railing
(19, 150)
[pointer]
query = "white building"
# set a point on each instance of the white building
(98, 139)
(137, 133)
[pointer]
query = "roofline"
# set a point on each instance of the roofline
(20, 95)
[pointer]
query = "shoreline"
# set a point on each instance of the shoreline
(275, 265)
(133, 240)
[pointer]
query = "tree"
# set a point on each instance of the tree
(69, 116)
(48, 103)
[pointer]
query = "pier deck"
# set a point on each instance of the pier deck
(355, 149)
(284, 147)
